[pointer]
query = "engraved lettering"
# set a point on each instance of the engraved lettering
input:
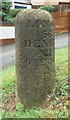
(37, 43)
(36, 63)
(45, 42)
(28, 61)
(33, 23)
(46, 52)
(27, 43)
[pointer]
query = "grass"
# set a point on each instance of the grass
(8, 79)
(57, 106)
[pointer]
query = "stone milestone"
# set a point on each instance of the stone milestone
(34, 56)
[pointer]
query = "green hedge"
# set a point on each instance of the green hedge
(2, 15)
(49, 8)
(13, 12)
(9, 17)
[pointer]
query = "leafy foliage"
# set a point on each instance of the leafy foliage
(7, 14)
(2, 15)
(4, 11)
(8, 18)
(48, 8)
(5, 6)
(14, 12)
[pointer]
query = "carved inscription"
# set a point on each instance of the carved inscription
(35, 23)
(41, 44)
(37, 60)
(36, 43)
(27, 43)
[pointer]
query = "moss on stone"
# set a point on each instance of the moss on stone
(34, 55)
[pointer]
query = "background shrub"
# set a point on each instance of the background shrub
(49, 8)
(7, 14)
(8, 18)
(13, 12)
(5, 6)
(2, 15)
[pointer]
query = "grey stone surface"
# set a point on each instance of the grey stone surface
(34, 56)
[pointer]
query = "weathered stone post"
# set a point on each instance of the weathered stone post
(34, 56)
